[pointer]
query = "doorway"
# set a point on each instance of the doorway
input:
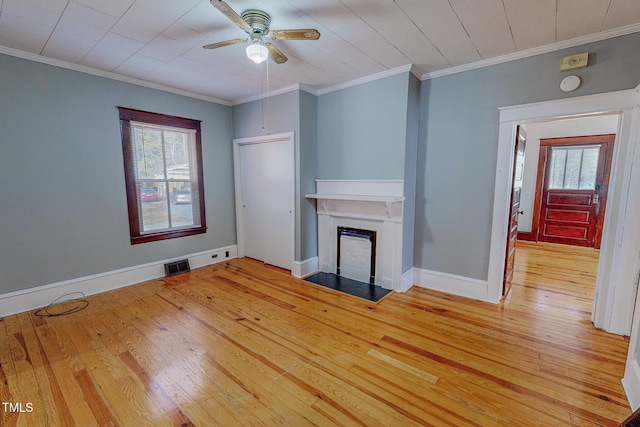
(264, 169)
(564, 215)
(615, 293)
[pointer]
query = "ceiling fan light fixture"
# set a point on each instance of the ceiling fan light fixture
(257, 52)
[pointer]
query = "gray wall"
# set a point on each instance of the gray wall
(276, 114)
(308, 173)
(362, 130)
(410, 166)
(458, 142)
(293, 111)
(63, 204)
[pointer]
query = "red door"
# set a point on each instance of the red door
(576, 176)
(514, 211)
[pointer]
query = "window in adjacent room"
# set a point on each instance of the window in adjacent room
(574, 167)
(163, 174)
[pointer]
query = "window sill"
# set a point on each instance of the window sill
(154, 237)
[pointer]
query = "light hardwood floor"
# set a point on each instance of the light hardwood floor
(239, 343)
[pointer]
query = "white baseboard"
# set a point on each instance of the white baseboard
(41, 296)
(631, 383)
(406, 280)
(452, 284)
(305, 268)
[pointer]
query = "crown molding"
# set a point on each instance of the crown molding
(280, 91)
(604, 35)
(366, 79)
(416, 71)
(106, 74)
(313, 91)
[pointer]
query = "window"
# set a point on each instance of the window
(163, 174)
(574, 168)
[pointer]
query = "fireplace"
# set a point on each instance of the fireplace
(373, 208)
(356, 254)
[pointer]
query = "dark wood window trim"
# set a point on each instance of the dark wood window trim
(128, 115)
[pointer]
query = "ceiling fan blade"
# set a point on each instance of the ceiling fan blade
(232, 15)
(301, 34)
(224, 43)
(275, 54)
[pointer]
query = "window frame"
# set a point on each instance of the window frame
(128, 115)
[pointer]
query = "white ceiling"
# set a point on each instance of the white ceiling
(160, 41)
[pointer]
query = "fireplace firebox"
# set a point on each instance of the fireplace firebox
(356, 254)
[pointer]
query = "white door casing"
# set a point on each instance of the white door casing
(615, 292)
(631, 380)
(264, 173)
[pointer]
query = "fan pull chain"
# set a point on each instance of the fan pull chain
(265, 91)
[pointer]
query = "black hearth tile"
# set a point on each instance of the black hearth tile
(348, 286)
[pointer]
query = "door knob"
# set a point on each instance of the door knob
(520, 212)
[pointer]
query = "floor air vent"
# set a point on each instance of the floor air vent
(177, 267)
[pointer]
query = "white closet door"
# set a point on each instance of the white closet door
(268, 200)
(252, 202)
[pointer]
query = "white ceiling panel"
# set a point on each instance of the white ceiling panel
(330, 13)
(344, 52)
(138, 66)
(110, 52)
(85, 22)
(165, 48)
(441, 27)
(204, 19)
(532, 23)
(388, 16)
(426, 56)
(494, 42)
(25, 24)
(372, 43)
(364, 7)
(580, 17)
(132, 31)
(161, 40)
(475, 15)
(355, 31)
(40, 11)
(67, 46)
(390, 57)
(327, 42)
(104, 58)
(459, 52)
(157, 15)
(181, 32)
(404, 35)
(487, 25)
(622, 13)
(364, 62)
(115, 8)
(22, 38)
(415, 8)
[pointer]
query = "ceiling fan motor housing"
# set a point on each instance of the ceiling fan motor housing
(258, 20)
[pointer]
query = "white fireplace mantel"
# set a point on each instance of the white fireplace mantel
(367, 204)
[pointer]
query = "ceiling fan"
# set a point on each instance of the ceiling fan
(256, 23)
